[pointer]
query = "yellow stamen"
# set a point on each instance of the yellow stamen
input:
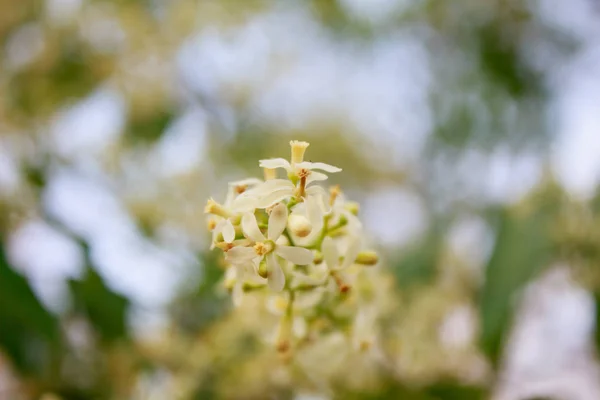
(211, 224)
(239, 189)
(224, 246)
(334, 192)
(343, 286)
(263, 248)
(303, 173)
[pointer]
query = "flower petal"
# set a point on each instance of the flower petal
(237, 294)
(297, 255)
(317, 277)
(277, 221)
(269, 186)
(243, 203)
(274, 197)
(240, 255)
(277, 304)
(246, 182)
(314, 213)
(330, 253)
(250, 228)
(275, 163)
(315, 176)
(351, 252)
(217, 229)
(228, 231)
(307, 300)
(276, 279)
(320, 195)
(318, 165)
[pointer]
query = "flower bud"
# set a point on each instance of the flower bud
(299, 225)
(262, 269)
(367, 258)
(318, 259)
(353, 207)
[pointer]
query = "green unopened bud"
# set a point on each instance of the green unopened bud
(318, 257)
(367, 258)
(353, 207)
(299, 225)
(262, 269)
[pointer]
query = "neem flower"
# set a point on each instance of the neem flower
(266, 246)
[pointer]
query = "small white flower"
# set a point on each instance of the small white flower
(236, 188)
(226, 214)
(267, 246)
(300, 169)
(339, 210)
(226, 228)
(244, 273)
(363, 330)
(331, 254)
(316, 276)
(276, 190)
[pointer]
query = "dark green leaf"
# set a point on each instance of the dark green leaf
(105, 309)
(148, 127)
(29, 334)
(521, 249)
(456, 391)
(195, 310)
(418, 264)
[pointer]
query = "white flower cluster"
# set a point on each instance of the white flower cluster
(289, 235)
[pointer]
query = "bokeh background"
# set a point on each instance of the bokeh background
(468, 131)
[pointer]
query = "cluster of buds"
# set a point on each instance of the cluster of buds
(292, 237)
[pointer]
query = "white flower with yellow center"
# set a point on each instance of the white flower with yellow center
(224, 218)
(276, 190)
(267, 247)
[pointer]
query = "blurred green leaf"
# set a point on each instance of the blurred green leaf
(148, 127)
(443, 390)
(500, 59)
(456, 391)
(43, 87)
(29, 334)
(418, 264)
(521, 249)
(105, 309)
(194, 311)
